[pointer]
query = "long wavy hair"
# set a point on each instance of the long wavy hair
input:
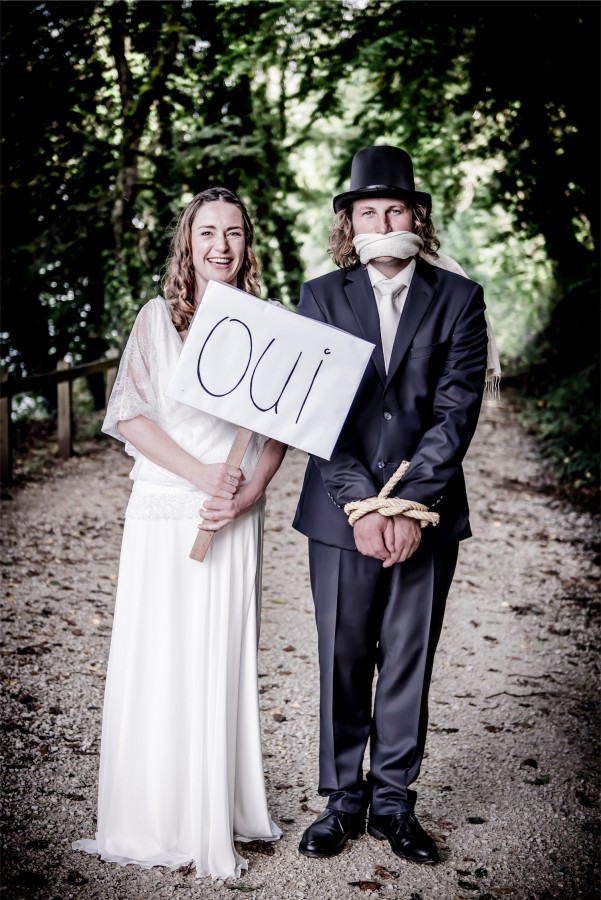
(340, 243)
(179, 283)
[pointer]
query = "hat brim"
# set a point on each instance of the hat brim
(414, 197)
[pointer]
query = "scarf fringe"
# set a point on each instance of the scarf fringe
(492, 390)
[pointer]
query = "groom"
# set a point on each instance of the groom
(381, 570)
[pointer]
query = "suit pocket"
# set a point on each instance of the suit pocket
(429, 350)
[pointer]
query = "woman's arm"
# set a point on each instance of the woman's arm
(217, 479)
(218, 512)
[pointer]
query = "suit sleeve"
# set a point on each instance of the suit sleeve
(345, 477)
(456, 407)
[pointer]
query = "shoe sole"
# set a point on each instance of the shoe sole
(380, 836)
(315, 854)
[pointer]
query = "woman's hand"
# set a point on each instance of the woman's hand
(218, 512)
(219, 480)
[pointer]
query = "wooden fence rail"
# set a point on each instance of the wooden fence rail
(63, 377)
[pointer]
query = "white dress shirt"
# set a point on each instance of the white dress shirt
(390, 295)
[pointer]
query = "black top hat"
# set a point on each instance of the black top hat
(382, 172)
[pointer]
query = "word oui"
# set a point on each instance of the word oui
(219, 341)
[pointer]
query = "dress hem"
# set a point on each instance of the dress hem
(91, 847)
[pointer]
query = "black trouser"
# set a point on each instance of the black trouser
(369, 617)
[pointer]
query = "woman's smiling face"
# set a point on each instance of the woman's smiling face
(218, 244)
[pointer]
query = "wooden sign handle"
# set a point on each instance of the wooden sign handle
(234, 458)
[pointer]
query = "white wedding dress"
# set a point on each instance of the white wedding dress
(181, 773)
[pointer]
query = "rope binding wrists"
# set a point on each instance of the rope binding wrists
(391, 506)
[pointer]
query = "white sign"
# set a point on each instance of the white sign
(261, 366)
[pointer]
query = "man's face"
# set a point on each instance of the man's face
(381, 215)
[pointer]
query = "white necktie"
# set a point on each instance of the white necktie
(390, 313)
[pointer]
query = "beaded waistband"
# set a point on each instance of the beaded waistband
(150, 501)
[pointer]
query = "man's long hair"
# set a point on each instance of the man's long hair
(340, 244)
(179, 283)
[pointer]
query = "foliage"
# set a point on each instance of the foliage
(567, 422)
(149, 112)
(497, 116)
(515, 271)
(54, 207)
(116, 113)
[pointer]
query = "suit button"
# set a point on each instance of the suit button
(381, 464)
(387, 415)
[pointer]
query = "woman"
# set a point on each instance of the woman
(181, 772)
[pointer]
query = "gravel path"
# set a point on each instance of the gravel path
(509, 787)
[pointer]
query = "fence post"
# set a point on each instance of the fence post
(111, 374)
(6, 450)
(63, 395)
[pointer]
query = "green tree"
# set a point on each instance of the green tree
(461, 83)
(117, 114)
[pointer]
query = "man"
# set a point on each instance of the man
(379, 576)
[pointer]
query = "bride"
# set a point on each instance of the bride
(181, 775)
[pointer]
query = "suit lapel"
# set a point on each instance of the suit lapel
(416, 306)
(361, 298)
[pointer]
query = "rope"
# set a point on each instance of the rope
(391, 506)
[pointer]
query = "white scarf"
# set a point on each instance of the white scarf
(406, 244)
(398, 244)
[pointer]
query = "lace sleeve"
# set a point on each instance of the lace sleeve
(135, 392)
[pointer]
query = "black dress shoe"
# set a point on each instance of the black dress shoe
(328, 834)
(406, 837)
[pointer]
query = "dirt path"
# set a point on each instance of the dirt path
(509, 787)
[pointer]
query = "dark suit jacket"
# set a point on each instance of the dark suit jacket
(425, 410)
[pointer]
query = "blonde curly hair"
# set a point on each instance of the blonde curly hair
(179, 283)
(340, 243)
